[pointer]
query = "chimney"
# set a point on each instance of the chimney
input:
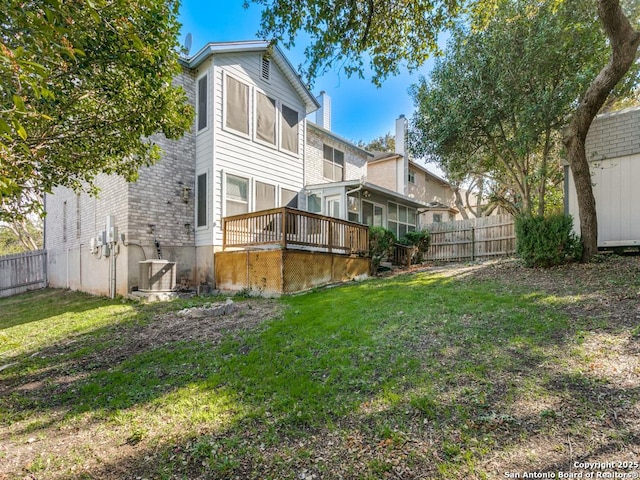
(401, 135)
(323, 114)
(402, 170)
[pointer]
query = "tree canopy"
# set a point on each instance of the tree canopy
(383, 143)
(373, 36)
(83, 86)
(495, 105)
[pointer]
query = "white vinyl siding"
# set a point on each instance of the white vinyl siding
(248, 156)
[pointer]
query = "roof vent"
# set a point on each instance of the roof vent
(266, 68)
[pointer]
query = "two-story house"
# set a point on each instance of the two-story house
(251, 149)
(245, 153)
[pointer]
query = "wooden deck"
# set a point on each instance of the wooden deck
(290, 228)
(285, 250)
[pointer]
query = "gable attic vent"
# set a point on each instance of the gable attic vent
(266, 68)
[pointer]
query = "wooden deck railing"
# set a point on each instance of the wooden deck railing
(402, 255)
(291, 228)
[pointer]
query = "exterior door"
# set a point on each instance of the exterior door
(332, 206)
(372, 214)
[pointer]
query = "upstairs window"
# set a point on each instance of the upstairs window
(237, 106)
(202, 103)
(265, 118)
(412, 176)
(333, 164)
(289, 134)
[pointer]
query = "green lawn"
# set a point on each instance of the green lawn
(416, 376)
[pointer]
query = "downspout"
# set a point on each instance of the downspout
(113, 271)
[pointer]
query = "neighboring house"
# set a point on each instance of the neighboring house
(338, 181)
(613, 152)
(245, 153)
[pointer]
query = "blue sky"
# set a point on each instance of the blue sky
(360, 110)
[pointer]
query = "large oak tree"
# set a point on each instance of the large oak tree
(494, 106)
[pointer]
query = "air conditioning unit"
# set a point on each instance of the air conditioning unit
(157, 276)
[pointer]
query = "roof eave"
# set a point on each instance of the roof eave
(212, 48)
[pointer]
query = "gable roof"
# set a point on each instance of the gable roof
(338, 138)
(213, 48)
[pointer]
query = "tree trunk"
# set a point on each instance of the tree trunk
(458, 200)
(624, 45)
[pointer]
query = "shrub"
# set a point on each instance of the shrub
(420, 239)
(381, 242)
(546, 241)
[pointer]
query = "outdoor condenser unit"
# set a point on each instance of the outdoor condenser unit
(157, 276)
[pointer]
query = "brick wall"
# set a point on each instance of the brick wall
(615, 134)
(164, 195)
(355, 161)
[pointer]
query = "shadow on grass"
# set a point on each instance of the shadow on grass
(40, 305)
(449, 371)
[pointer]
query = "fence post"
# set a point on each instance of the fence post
(473, 243)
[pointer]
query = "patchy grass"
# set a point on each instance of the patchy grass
(460, 373)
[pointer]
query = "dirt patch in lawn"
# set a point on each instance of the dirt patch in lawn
(50, 443)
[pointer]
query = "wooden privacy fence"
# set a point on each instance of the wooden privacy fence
(473, 239)
(22, 272)
(291, 228)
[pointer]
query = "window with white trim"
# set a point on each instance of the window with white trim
(372, 214)
(236, 195)
(401, 219)
(266, 114)
(201, 200)
(314, 203)
(265, 196)
(289, 129)
(412, 176)
(237, 105)
(353, 208)
(202, 102)
(288, 198)
(332, 164)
